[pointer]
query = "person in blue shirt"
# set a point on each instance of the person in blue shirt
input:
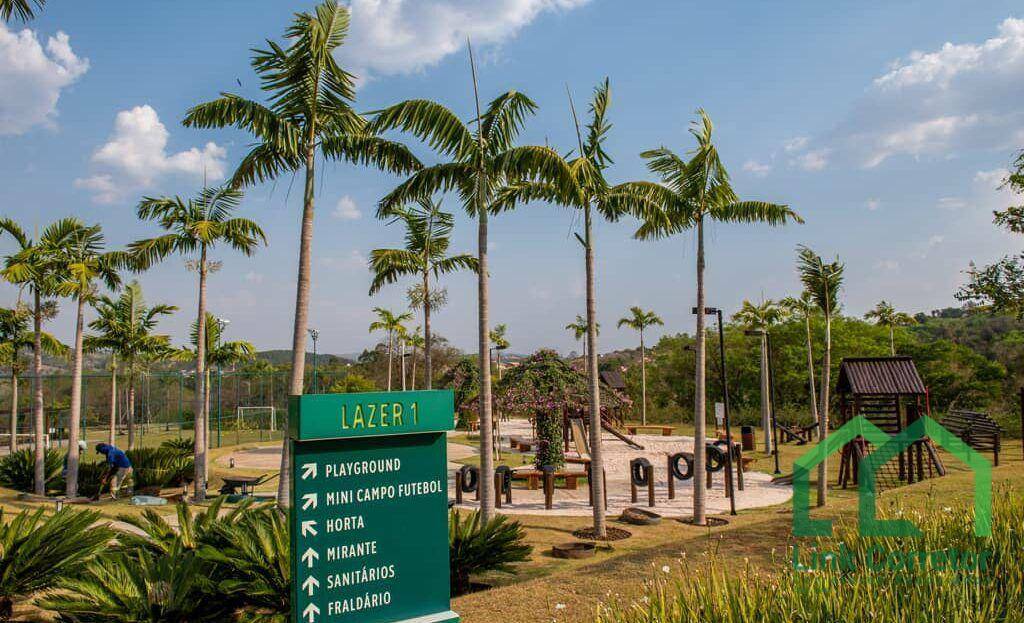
(119, 467)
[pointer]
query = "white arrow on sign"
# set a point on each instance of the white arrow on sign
(309, 556)
(308, 528)
(308, 470)
(310, 612)
(310, 584)
(308, 500)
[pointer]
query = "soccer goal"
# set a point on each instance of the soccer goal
(256, 418)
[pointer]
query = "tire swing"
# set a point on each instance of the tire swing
(641, 474)
(675, 471)
(467, 480)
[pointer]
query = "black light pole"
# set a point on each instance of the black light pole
(771, 393)
(729, 482)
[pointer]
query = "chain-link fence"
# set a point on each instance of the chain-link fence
(163, 406)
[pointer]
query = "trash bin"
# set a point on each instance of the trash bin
(747, 437)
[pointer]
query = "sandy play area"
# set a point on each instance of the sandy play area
(758, 488)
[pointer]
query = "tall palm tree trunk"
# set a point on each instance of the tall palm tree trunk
(596, 454)
(810, 372)
(199, 422)
(428, 369)
(75, 419)
(766, 424)
(700, 398)
(826, 374)
(38, 417)
(892, 340)
(301, 311)
(486, 419)
(412, 384)
(14, 405)
(391, 349)
(131, 405)
(643, 380)
(112, 432)
(402, 353)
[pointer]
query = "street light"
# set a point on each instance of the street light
(714, 311)
(313, 333)
(767, 336)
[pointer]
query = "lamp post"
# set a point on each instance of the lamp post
(222, 323)
(766, 336)
(313, 333)
(731, 490)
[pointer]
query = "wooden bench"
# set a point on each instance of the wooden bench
(533, 478)
(976, 429)
(666, 431)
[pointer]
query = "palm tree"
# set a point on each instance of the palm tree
(125, 327)
(38, 551)
(480, 161)
(81, 263)
(805, 307)
(580, 184)
(579, 328)
(195, 227)
(217, 354)
(15, 336)
(499, 343)
(21, 9)
(428, 234)
(33, 267)
(885, 315)
(692, 192)
(310, 107)
(393, 325)
(416, 342)
(823, 281)
(761, 318)
(638, 320)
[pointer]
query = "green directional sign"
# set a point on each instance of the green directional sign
(369, 520)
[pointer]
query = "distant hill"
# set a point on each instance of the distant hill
(284, 357)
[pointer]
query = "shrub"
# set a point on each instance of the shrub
(37, 551)
(549, 440)
(156, 468)
(475, 546)
(17, 471)
(852, 590)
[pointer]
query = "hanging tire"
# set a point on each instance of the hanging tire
(470, 478)
(686, 458)
(716, 458)
(640, 472)
(723, 446)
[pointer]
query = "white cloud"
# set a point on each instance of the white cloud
(254, 277)
(356, 259)
(795, 144)
(872, 204)
(757, 169)
(135, 157)
(32, 78)
(886, 265)
(346, 210)
(814, 160)
(935, 240)
(402, 36)
(952, 203)
(931, 136)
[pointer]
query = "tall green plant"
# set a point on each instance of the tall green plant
(480, 156)
(428, 236)
(823, 281)
(639, 320)
(692, 192)
(393, 325)
(82, 263)
(309, 110)
(195, 227)
(33, 267)
(476, 545)
(804, 306)
(885, 315)
(762, 317)
(37, 551)
(15, 337)
(23, 10)
(125, 327)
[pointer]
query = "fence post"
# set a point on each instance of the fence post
(220, 382)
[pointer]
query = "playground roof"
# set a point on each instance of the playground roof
(613, 379)
(879, 376)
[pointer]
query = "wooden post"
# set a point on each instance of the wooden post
(498, 493)
(650, 486)
(632, 489)
(549, 488)
(671, 479)
(458, 487)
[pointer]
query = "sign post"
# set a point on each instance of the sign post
(369, 507)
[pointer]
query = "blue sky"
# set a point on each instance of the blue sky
(886, 125)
